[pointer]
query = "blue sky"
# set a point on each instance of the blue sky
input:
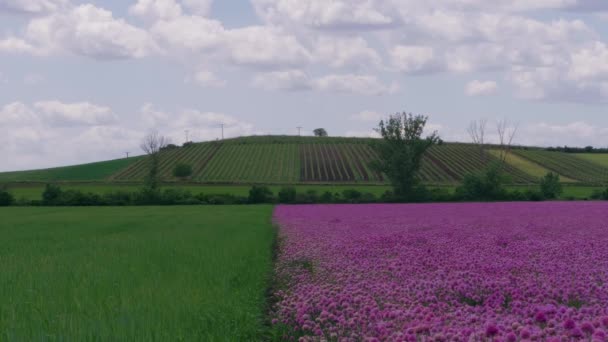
(85, 80)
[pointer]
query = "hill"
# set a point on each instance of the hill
(291, 160)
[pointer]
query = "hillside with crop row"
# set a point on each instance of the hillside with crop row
(292, 160)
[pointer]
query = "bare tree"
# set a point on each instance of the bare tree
(152, 145)
(506, 134)
(477, 132)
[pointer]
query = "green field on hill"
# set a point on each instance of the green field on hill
(134, 274)
(310, 160)
(597, 158)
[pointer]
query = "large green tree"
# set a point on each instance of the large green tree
(400, 152)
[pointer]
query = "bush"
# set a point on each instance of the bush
(6, 198)
(486, 186)
(287, 195)
(352, 196)
(328, 197)
(260, 194)
(176, 197)
(182, 170)
(51, 194)
(600, 195)
(118, 198)
(550, 186)
(309, 197)
(221, 199)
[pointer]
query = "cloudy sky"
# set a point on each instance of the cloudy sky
(83, 81)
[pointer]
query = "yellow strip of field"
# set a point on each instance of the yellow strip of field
(597, 158)
(529, 167)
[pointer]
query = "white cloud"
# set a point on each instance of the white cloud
(481, 88)
(82, 113)
(368, 116)
(283, 80)
(325, 14)
(295, 80)
(341, 52)
(189, 33)
(413, 58)
(83, 30)
(262, 46)
(156, 9)
(354, 84)
(201, 125)
(32, 6)
(198, 7)
(578, 133)
(75, 133)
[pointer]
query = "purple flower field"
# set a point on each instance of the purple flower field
(444, 272)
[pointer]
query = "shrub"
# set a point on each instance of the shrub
(308, 197)
(182, 170)
(175, 197)
(221, 199)
(485, 186)
(352, 196)
(76, 198)
(260, 194)
(51, 194)
(147, 196)
(600, 195)
(6, 198)
(287, 195)
(118, 198)
(327, 197)
(550, 186)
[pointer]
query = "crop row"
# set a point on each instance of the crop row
(253, 163)
(198, 156)
(235, 162)
(568, 165)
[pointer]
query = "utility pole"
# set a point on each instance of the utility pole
(222, 131)
(187, 131)
(127, 153)
(299, 130)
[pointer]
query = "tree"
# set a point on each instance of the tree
(182, 170)
(506, 134)
(477, 132)
(152, 145)
(400, 152)
(320, 132)
(6, 198)
(550, 186)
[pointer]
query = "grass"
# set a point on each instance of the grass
(134, 274)
(85, 172)
(529, 167)
(597, 158)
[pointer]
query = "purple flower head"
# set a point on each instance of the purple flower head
(540, 317)
(491, 330)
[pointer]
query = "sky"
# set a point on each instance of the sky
(86, 80)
